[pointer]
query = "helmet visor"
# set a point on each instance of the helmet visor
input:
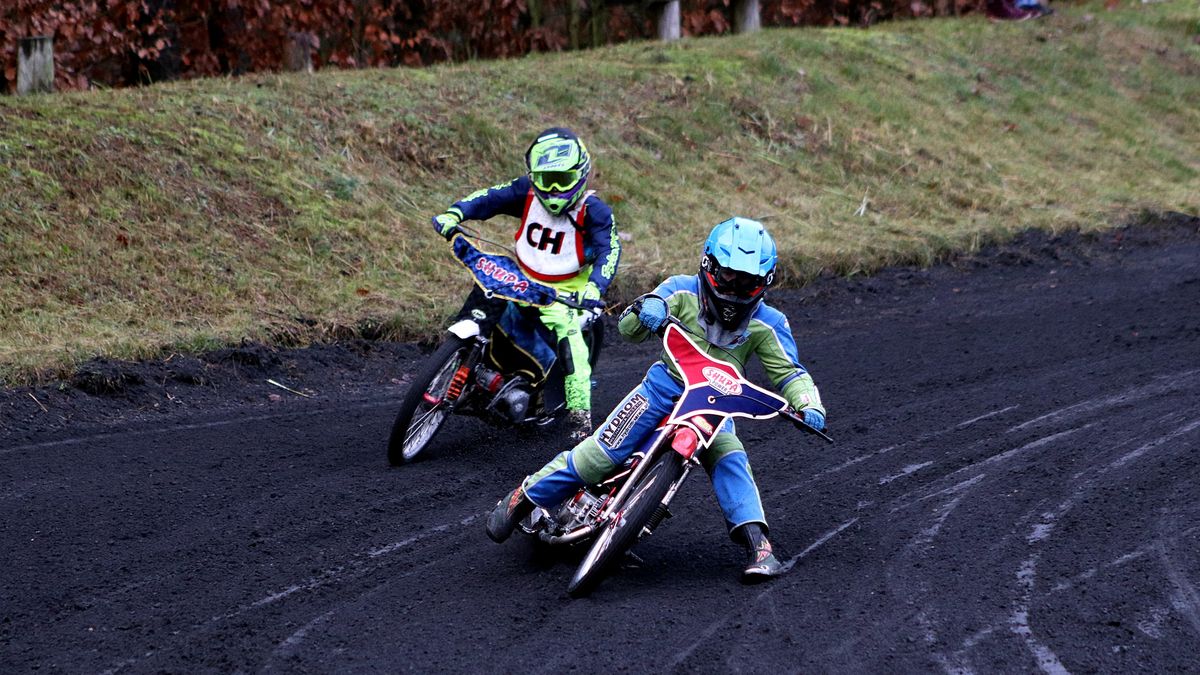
(742, 285)
(555, 181)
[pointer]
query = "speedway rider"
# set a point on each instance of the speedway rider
(567, 239)
(724, 302)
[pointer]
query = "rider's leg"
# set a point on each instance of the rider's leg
(572, 365)
(595, 457)
(733, 481)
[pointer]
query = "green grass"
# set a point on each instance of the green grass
(293, 208)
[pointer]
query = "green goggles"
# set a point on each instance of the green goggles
(554, 181)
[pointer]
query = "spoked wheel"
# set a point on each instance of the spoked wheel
(623, 532)
(424, 407)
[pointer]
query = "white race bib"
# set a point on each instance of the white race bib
(550, 247)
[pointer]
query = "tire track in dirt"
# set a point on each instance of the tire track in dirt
(1011, 456)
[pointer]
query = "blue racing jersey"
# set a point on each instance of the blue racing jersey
(601, 246)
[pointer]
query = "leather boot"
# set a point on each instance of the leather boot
(579, 425)
(508, 512)
(762, 563)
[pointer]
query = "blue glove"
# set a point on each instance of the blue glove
(589, 297)
(814, 418)
(446, 224)
(653, 313)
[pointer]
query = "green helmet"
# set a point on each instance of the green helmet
(559, 166)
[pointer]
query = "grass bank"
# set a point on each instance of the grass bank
(292, 208)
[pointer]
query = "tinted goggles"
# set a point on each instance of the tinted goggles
(554, 181)
(735, 283)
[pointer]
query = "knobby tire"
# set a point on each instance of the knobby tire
(435, 373)
(614, 540)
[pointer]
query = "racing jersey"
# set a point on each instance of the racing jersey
(768, 335)
(601, 247)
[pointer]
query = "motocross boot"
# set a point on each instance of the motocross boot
(508, 512)
(762, 564)
(579, 425)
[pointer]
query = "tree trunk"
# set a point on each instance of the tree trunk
(746, 16)
(35, 65)
(573, 23)
(668, 19)
(599, 24)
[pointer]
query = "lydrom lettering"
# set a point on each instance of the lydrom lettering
(622, 422)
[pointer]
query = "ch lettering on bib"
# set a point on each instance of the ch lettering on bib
(550, 247)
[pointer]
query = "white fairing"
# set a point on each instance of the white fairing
(586, 317)
(465, 329)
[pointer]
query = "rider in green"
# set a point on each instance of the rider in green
(724, 302)
(567, 239)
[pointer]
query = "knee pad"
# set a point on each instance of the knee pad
(590, 461)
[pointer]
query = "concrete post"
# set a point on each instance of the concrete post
(298, 53)
(35, 65)
(746, 16)
(669, 20)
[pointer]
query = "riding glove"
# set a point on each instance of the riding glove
(446, 224)
(589, 297)
(653, 313)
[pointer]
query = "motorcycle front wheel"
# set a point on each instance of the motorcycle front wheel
(625, 528)
(418, 419)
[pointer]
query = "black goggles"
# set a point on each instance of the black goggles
(735, 283)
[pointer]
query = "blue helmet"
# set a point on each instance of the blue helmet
(736, 268)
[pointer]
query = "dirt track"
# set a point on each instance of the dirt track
(1016, 485)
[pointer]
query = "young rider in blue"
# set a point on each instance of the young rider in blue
(724, 302)
(566, 239)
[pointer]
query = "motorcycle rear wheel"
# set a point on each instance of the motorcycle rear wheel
(418, 421)
(618, 537)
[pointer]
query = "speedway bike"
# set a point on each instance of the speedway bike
(485, 376)
(611, 517)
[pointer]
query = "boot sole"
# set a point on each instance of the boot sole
(757, 576)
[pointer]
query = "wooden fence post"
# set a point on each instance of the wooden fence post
(746, 16)
(668, 20)
(35, 65)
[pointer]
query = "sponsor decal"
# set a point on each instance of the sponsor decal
(479, 314)
(549, 239)
(763, 553)
(722, 382)
(702, 424)
(614, 242)
(622, 422)
(502, 275)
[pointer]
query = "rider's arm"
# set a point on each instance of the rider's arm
(776, 348)
(507, 199)
(602, 245)
(631, 327)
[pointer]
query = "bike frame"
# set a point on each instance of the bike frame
(499, 276)
(714, 392)
(696, 418)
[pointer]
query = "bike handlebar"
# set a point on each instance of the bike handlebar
(798, 420)
(566, 300)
